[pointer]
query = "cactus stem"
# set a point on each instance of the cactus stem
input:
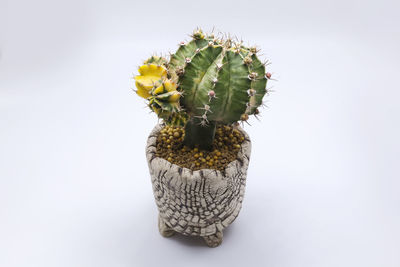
(199, 133)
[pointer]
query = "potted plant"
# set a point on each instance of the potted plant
(198, 156)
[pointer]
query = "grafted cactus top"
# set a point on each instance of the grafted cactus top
(220, 80)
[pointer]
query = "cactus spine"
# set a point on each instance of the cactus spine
(221, 81)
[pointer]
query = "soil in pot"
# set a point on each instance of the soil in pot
(226, 146)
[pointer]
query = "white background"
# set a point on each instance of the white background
(323, 182)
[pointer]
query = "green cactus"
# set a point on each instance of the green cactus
(220, 81)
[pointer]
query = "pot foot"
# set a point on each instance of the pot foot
(164, 229)
(213, 240)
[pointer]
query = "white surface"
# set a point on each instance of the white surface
(323, 183)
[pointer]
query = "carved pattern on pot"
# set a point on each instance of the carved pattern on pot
(197, 203)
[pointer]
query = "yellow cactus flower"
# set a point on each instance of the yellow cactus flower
(150, 75)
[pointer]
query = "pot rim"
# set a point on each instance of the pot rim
(245, 148)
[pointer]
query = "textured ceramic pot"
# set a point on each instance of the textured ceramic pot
(197, 203)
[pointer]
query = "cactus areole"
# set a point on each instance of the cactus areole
(207, 81)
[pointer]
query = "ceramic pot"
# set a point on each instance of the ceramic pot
(197, 203)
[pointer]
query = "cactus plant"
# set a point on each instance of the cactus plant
(208, 81)
(206, 87)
